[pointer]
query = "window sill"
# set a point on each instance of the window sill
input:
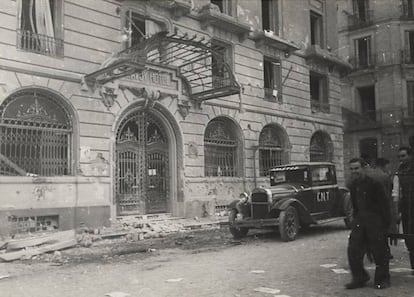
(210, 15)
(263, 38)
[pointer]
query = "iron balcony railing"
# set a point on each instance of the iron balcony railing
(272, 95)
(363, 62)
(356, 21)
(39, 43)
(318, 106)
(407, 9)
(372, 119)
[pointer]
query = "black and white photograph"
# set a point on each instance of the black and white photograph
(206, 148)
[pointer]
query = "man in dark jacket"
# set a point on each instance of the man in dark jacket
(406, 200)
(371, 221)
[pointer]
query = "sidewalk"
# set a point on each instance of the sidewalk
(128, 234)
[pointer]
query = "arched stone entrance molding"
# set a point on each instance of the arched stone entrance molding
(223, 149)
(274, 147)
(321, 147)
(174, 152)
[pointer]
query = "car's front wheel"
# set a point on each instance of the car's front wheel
(288, 224)
(237, 232)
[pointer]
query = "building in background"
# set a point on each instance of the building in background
(377, 38)
(111, 108)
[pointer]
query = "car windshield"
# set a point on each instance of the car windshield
(289, 175)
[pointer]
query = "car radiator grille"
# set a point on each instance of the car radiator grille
(260, 206)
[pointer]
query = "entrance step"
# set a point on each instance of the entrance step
(142, 219)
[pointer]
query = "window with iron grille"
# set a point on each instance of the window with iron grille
(220, 149)
(40, 26)
(33, 224)
(35, 135)
(272, 150)
(321, 148)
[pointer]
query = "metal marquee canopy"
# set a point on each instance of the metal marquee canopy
(198, 62)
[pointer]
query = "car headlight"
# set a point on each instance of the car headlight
(244, 197)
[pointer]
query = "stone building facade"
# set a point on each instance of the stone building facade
(376, 37)
(112, 108)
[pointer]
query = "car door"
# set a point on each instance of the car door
(323, 190)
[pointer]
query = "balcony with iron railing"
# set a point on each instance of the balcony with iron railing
(318, 106)
(356, 21)
(272, 95)
(407, 10)
(393, 117)
(363, 62)
(39, 43)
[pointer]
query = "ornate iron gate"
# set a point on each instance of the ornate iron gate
(141, 165)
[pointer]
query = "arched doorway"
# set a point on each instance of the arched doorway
(142, 165)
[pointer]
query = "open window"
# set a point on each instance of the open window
(316, 29)
(270, 16)
(223, 54)
(137, 27)
(272, 69)
(40, 26)
(319, 92)
(225, 6)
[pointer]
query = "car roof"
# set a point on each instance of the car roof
(302, 164)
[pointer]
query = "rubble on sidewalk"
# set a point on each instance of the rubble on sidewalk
(46, 246)
(26, 248)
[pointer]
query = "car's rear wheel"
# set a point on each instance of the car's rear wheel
(288, 224)
(348, 210)
(237, 232)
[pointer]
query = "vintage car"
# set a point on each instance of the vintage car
(299, 195)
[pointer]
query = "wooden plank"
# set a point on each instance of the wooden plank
(16, 244)
(37, 251)
(13, 165)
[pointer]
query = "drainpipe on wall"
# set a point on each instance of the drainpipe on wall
(255, 148)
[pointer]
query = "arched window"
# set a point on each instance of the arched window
(220, 149)
(35, 135)
(272, 149)
(321, 148)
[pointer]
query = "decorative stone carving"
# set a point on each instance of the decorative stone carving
(150, 95)
(108, 96)
(184, 108)
(192, 150)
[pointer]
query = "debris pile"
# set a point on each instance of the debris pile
(135, 229)
(46, 246)
(27, 248)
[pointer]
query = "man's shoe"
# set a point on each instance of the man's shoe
(383, 285)
(355, 284)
